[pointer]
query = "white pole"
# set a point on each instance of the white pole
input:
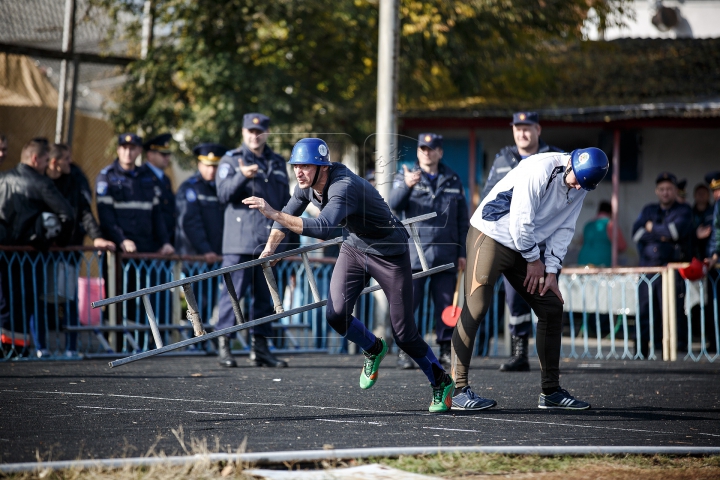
(67, 41)
(386, 126)
(386, 120)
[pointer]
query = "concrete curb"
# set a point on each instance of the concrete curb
(319, 455)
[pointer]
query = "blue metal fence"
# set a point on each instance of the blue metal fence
(45, 308)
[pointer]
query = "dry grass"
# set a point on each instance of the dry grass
(450, 466)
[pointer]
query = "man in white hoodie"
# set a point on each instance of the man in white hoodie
(539, 201)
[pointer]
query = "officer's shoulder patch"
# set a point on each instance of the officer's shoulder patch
(101, 188)
(224, 170)
(190, 195)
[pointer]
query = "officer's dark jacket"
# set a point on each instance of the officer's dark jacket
(200, 218)
(669, 240)
(128, 207)
(713, 247)
(75, 188)
(701, 218)
(167, 202)
(507, 159)
(442, 237)
(24, 196)
(351, 202)
(246, 230)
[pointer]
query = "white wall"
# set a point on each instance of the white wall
(698, 19)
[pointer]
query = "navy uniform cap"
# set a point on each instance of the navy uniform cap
(256, 121)
(713, 179)
(129, 139)
(161, 143)
(666, 177)
(209, 153)
(681, 187)
(525, 118)
(431, 140)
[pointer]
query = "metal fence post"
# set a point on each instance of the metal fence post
(112, 292)
(672, 313)
(176, 309)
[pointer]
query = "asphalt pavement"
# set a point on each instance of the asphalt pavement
(84, 409)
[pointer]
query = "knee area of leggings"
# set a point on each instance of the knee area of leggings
(338, 321)
(554, 308)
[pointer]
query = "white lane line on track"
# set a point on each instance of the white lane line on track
(215, 413)
(349, 421)
(349, 409)
(115, 408)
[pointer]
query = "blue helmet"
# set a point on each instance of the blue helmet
(310, 151)
(590, 166)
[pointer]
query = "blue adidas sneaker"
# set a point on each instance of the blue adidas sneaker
(561, 400)
(469, 400)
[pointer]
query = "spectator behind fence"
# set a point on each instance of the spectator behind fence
(252, 169)
(431, 186)
(713, 248)
(702, 221)
(200, 220)
(32, 212)
(3, 148)
(128, 203)
(681, 193)
(200, 215)
(597, 239)
(663, 235)
(157, 156)
(526, 133)
(72, 183)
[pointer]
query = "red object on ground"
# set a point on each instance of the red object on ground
(695, 271)
(451, 313)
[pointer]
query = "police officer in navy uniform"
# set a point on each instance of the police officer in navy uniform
(431, 186)
(663, 233)
(200, 219)
(252, 169)
(157, 156)
(526, 133)
(128, 206)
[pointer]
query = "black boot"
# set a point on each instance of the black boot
(445, 358)
(405, 362)
(260, 354)
(519, 361)
(225, 358)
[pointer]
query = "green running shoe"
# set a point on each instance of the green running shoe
(369, 373)
(442, 396)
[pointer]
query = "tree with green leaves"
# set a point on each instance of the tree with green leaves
(311, 64)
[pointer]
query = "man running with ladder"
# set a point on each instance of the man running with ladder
(376, 246)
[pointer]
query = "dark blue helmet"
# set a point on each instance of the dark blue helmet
(310, 151)
(590, 166)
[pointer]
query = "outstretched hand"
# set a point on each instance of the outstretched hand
(260, 205)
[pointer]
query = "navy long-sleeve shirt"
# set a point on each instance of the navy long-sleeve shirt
(352, 203)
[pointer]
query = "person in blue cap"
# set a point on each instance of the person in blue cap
(431, 186)
(663, 234)
(157, 159)
(526, 131)
(200, 218)
(538, 201)
(376, 246)
(128, 206)
(251, 169)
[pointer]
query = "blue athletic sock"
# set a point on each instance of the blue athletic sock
(431, 367)
(358, 334)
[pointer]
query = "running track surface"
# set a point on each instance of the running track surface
(84, 409)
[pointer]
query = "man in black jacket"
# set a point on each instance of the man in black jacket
(32, 212)
(526, 133)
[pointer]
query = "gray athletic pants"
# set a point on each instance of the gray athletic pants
(486, 260)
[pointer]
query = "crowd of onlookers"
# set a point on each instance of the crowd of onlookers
(46, 200)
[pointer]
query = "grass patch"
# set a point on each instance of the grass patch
(459, 465)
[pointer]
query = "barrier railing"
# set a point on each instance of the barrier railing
(47, 313)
